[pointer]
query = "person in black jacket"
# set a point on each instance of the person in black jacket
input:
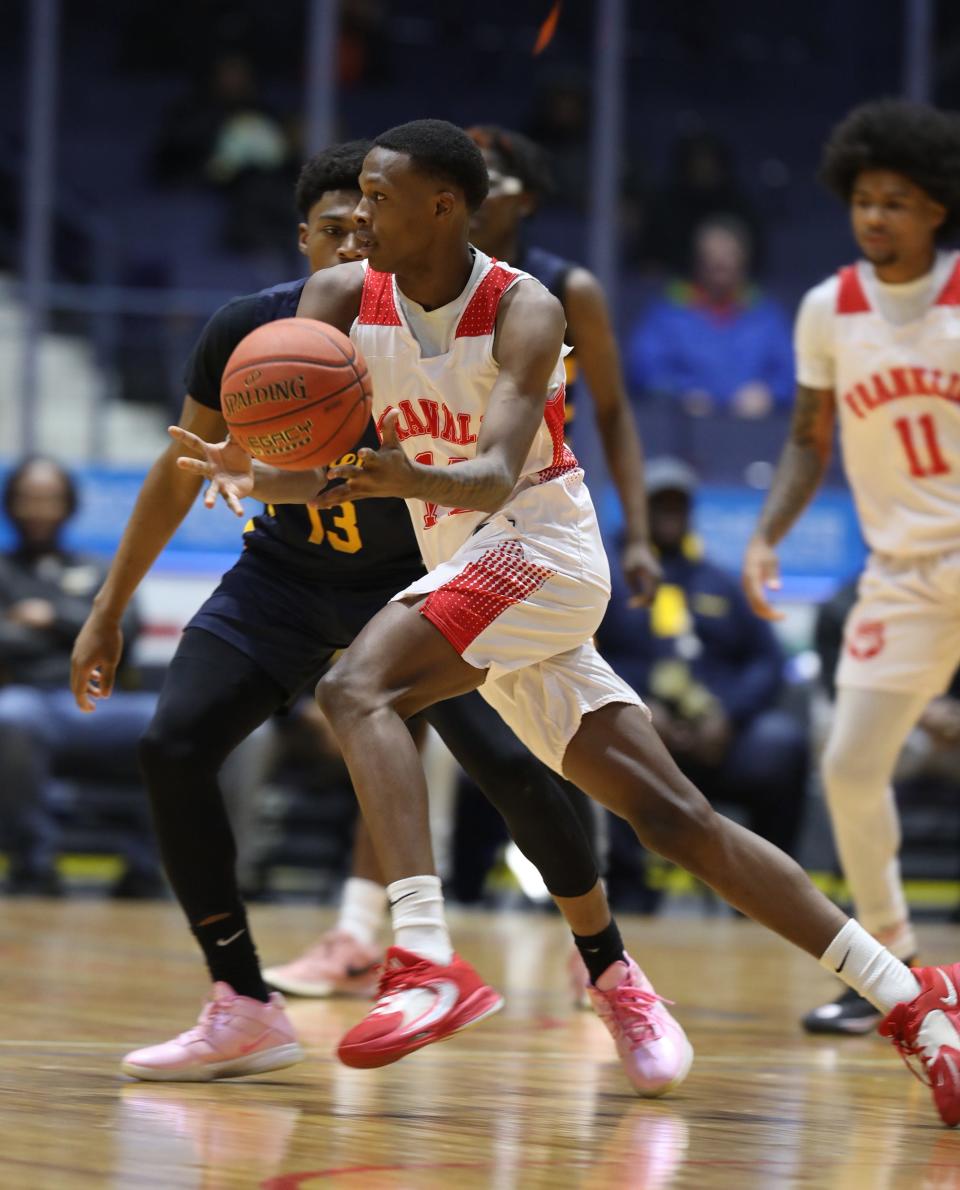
(711, 673)
(46, 592)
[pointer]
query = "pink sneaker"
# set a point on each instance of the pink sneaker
(653, 1048)
(337, 965)
(235, 1035)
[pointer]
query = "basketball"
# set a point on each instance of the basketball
(296, 393)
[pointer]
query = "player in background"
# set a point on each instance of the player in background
(878, 355)
(519, 179)
(305, 584)
(515, 590)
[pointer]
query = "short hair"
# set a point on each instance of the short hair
(519, 155)
(336, 168)
(444, 151)
(733, 225)
(913, 139)
(15, 478)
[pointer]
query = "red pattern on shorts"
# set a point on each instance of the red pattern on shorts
(866, 639)
(469, 603)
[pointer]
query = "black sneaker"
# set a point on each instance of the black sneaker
(849, 1013)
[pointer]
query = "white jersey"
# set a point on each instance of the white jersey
(442, 398)
(898, 395)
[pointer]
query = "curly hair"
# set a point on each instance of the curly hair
(913, 139)
(517, 155)
(336, 168)
(444, 151)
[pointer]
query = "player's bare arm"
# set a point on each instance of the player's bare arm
(333, 296)
(590, 333)
(528, 341)
(798, 475)
(165, 499)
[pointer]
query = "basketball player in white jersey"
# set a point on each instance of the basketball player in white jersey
(878, 353)
(466, 361)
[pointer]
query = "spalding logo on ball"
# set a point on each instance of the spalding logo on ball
(296, 393)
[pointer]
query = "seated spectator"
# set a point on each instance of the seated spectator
(702, 185)
(223, 135)
(714, 343)
(45, 595)
(711, 673)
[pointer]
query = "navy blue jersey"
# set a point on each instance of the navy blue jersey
(367, 544)
(552, 272)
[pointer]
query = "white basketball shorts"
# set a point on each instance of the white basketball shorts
(903, 633)
(521, 599)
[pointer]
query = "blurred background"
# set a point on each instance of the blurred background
(148, 154)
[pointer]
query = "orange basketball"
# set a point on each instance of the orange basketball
(296, 393)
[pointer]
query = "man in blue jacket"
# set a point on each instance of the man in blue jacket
(710, 671)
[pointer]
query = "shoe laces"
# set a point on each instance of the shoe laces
(398, 977)
(212, 1012)
(632, 1010)
(917, 1058)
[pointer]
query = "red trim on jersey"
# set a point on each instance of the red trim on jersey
(469, 603)
(850, 296)
(377, 307)
(564, 460)
(480, 315)
(950, 294)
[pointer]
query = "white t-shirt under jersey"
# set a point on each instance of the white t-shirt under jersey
(433, 329)
(891, 353)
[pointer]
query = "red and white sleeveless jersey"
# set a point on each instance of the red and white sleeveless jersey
(442, 399)
(898, 396)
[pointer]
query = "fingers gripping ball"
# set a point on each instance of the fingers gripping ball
(296, 393)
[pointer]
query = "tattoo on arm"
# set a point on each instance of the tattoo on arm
(482, 483)
(802, 462)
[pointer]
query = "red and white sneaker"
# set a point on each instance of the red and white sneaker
(418, 1002)
(235, 1035)
(653, 1048)
(336, 965)
(926, 1032)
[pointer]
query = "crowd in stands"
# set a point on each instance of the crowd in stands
(706, 341)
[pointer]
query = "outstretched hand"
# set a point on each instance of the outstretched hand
(228, 467)
(383, 472)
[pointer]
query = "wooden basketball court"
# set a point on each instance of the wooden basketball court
(532, 1098)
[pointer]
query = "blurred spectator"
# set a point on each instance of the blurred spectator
(711, 673)
(45, 596)
(702, 184)
(715, 342)
(561, 125)
(223, 135)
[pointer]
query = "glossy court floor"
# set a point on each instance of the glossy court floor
(530, 1098)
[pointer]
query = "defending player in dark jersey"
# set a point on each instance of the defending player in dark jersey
(305, 585)
(519, 178)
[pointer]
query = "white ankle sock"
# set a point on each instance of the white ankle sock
(869, 968)
(416, 910)
(361, 909)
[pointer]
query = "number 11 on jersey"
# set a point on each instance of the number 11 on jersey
(918, 436)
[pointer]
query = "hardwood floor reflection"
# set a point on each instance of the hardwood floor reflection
(532, 1098)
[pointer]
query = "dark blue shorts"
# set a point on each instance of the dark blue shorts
(289, 624)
